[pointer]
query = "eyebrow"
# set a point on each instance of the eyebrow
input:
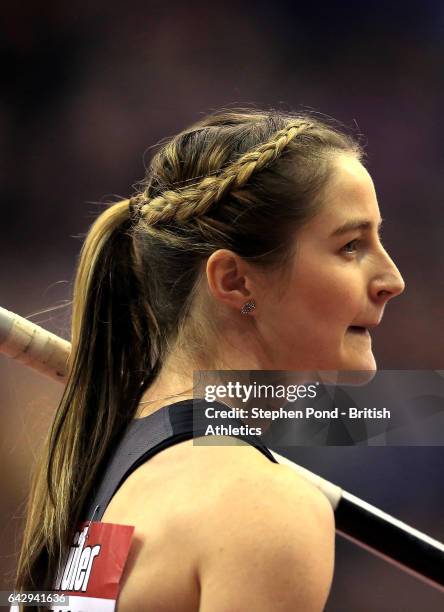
(353, 225)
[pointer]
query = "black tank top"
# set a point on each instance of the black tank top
(147, 436)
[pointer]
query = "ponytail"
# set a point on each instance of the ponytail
(114, 358)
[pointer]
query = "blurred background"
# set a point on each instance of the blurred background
(89, 89)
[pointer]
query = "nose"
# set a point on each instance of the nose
(387, 282)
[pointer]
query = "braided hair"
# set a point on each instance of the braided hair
(195, 201)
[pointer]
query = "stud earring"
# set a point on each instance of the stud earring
(248, 307)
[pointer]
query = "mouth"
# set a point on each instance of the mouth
(358, 329)
(363, 330)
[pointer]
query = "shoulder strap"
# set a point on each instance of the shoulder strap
(148, 436)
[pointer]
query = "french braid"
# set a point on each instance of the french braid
(193, 202)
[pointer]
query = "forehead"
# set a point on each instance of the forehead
(349, 194)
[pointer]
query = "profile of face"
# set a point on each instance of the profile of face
(339, 282)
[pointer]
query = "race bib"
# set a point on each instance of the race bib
(93, 568)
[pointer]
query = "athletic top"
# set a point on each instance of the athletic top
(147, 436)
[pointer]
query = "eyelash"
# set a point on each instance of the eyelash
(358, 242)
(344, 249)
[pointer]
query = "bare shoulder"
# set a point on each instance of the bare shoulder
(264, 535)
(245, 468)
(239, 474)
(225, 527)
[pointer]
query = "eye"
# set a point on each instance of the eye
(351, 247)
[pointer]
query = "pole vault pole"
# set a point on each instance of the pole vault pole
(364, 524)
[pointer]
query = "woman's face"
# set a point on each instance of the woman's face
(340, 280)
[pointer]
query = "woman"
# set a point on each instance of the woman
(253, 244)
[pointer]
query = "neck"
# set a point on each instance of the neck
(175, 381)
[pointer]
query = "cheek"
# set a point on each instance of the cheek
(327, 297)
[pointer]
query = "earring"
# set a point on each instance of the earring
(248, 307)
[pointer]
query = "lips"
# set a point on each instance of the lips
(364, 326)
(357, 329)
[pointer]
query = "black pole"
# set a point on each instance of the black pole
(395, 541)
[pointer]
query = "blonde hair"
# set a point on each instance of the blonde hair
(240, 179)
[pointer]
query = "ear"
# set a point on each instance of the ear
(230, 279)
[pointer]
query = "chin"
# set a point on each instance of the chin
(352, 369)
(359, 371)
(364, 363)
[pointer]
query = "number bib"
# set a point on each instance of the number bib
(92, 573)
(93, 569)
